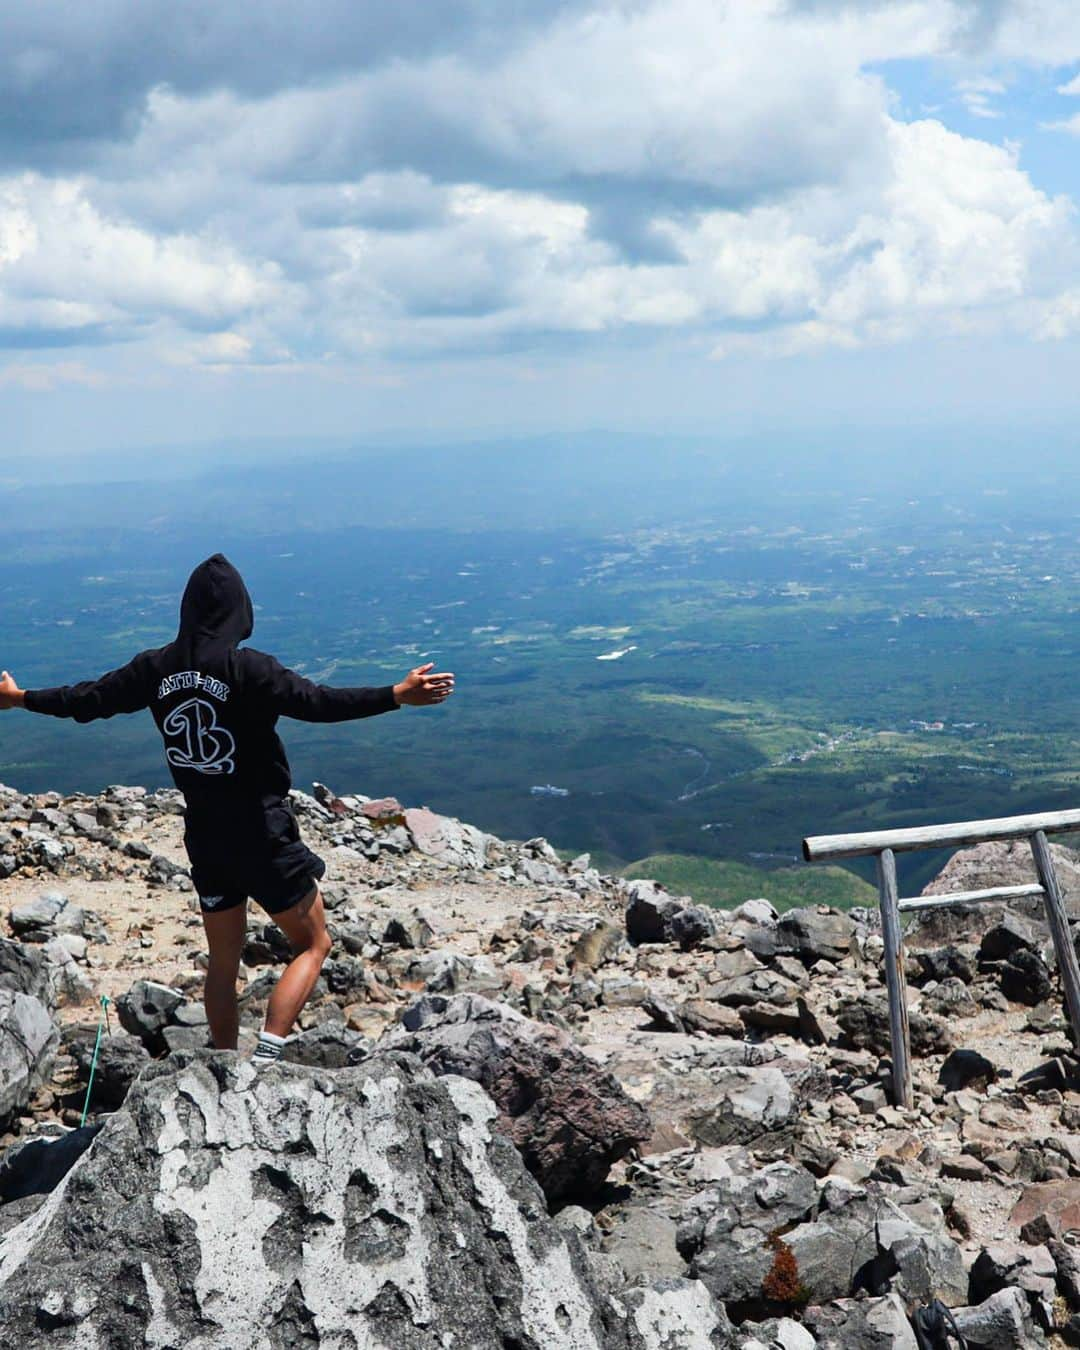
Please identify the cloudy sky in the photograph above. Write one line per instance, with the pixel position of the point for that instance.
(494, 215)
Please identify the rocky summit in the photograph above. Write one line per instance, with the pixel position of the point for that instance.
(530, 1106)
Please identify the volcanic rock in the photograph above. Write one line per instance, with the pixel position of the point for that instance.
(570, 1120)
(28, 1040)
(364, 1206)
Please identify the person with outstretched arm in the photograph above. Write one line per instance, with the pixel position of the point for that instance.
(216, 705)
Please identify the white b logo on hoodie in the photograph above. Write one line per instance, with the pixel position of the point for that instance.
(198, 740)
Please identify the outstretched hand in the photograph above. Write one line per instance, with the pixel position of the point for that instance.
(420, 687)
(11, 696)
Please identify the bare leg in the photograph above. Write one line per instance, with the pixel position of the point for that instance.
(225, 933)
(305, 927)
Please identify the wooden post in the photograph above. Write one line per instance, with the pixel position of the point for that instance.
(894, 978)
(1059, 929)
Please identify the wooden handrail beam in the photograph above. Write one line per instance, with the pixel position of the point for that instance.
(824, 847)
(1033, 892)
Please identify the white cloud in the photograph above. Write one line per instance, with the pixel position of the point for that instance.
(732, 170)
(1072, 89)
(975, 94)
(1070, 125)
(65, 265)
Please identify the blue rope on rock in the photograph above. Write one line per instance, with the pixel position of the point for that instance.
(94, 1060)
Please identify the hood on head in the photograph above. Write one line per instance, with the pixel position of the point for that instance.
(216, 602)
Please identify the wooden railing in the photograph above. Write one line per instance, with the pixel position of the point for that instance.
(885, 844)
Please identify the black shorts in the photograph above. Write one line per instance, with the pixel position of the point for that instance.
(256, 853)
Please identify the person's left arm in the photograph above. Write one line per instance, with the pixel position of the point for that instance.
(124, 690)
(286, 693)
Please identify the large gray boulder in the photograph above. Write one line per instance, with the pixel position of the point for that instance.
(866, 1241)
(1001, 863)
(25, 970)
(146, 1010)
(569, 1118)
(1001, 1322)
(367, 1206)
(744, 1104)
(28, 1041)
(862, 1324)
(652, 915)
(672, 1314)
(816, 933)
(725, 1239)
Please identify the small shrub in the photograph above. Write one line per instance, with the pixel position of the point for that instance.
(782, 1284)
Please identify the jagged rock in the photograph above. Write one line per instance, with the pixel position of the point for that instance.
(1010, 1265)
(664, 1015)
(28, 1041)
(266, 945)
(1002, 863)
(25, 970)
(622, 992)
(326, 1047)
(654, 916)
(691, 926)
(347, 978)
(778, 1333)
(1002, 1322)
(698, 1014)
(966, 1068)
(51, 913)
(407, 930)
(864, 1022)
(445, 971)
(1058, 1200)
(943, 963)
(353, 936)
(744, 1104)
(71, 986)
(873, 1244)
(756, 986)
(949, 999)
(816, 1025)
(769, 1017)
(756, 911)
(368, 1206)
(39, 1165)
(446, 839)
(121, 1058)
(33, 920)
(815, 934)
(570, 1120)
(1025, 978)
(725, 1238)
(146, 1010)
(862, 1324)
(649, 911)
(1011, 934)
(384, 811)
(673, 1314)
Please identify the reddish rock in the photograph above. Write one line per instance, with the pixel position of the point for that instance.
(569, 1119)
(384, 811)
(1059, 1200)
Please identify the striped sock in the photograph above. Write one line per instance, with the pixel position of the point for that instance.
(268, 1050)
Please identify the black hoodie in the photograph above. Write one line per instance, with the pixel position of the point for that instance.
(215, 703)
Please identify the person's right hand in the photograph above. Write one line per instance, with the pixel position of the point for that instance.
(420, 687)
(11, 696)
